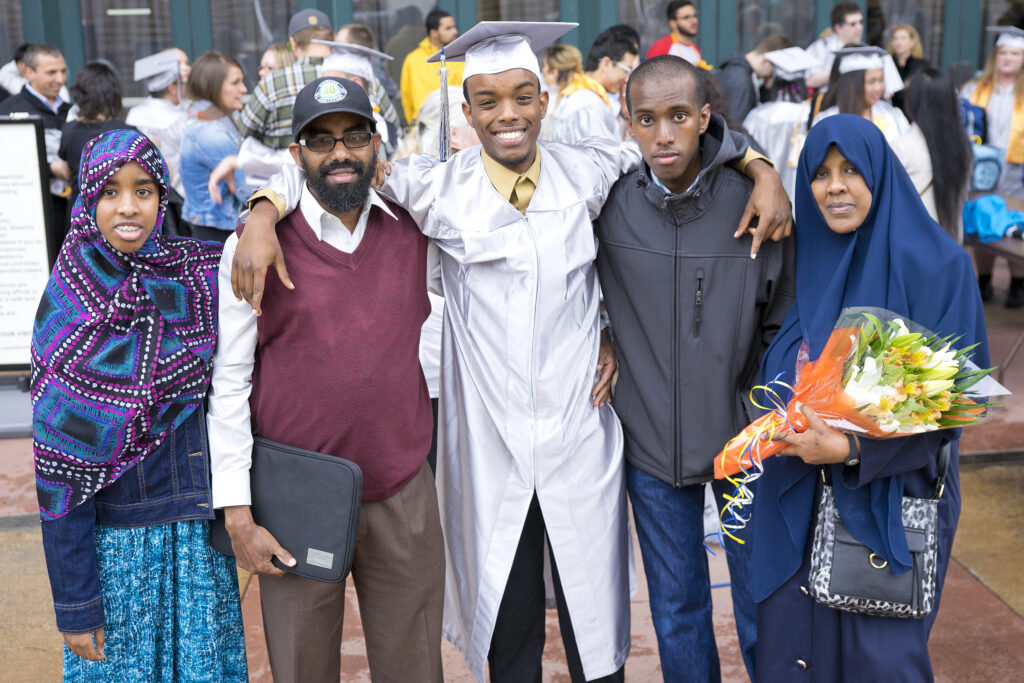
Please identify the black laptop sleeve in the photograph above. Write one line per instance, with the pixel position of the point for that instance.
(309, 502)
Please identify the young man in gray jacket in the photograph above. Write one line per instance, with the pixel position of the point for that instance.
(691, 314)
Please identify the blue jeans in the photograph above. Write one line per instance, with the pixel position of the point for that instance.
(670, 526)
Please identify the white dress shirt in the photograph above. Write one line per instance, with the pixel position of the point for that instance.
(229, 417)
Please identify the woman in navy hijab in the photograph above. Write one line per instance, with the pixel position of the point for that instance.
(863, 239)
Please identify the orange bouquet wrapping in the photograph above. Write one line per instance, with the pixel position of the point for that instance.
(875, 378)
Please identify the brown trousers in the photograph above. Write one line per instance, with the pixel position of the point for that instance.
(398, 570)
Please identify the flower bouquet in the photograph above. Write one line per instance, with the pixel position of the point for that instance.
(878, 376)
(875, 377)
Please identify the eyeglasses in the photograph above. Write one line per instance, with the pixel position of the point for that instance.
(322, 144)
(627, 69)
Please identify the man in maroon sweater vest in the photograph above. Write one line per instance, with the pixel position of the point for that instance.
(333, 366)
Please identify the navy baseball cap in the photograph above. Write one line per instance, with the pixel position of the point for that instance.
(307, 18)
(327, 95)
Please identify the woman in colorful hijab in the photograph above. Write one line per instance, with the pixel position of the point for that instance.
(863, 239)
(121, 362)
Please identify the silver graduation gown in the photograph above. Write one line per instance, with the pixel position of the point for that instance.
(519, 351)
(581, 115)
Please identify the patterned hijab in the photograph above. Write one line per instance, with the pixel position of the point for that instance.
(122, 343)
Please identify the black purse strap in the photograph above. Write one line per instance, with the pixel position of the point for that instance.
(940, 479)
(943, 469)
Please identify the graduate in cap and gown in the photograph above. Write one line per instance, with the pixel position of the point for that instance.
(862, 77)
(162, 116)
(779, 126)
(529, 448)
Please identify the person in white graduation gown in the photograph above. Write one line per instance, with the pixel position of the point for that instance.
(528, 445)
(162, 116)
(865, 74)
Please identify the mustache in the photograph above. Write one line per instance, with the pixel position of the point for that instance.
(352, 166)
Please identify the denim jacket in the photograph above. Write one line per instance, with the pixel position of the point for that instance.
(169, 485)
(206, 144)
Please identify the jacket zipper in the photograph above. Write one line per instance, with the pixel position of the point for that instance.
(698, 303)
(675, 359)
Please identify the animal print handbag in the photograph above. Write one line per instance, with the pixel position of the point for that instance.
(847, 575)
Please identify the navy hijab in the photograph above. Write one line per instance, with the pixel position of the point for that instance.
(899, 259)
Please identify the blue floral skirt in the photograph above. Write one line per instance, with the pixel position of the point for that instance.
(171, 608)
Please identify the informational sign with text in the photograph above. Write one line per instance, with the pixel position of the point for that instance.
(24, 260)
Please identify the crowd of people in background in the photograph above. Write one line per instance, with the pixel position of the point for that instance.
(838, 120)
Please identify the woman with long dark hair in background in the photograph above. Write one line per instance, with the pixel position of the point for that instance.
(97, 92)
(935, 150)
(858, 86)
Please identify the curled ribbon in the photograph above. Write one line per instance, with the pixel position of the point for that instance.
(746, 451)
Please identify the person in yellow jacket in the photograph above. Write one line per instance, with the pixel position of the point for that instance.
(1000, 92)
(419, 79)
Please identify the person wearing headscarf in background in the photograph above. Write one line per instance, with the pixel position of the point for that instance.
(276, 56)
(1000, 92)
(908, 55)
(122, 352)
(861, 77)
(935, 150)
(97, 92)
(863, 238)
(216, 86)
(425, 136)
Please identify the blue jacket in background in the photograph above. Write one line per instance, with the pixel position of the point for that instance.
(171, 484)
(206, 144)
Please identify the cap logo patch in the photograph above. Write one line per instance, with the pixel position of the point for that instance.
(312, 21)
(330, 91)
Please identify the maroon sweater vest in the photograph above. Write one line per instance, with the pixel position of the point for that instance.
(337, 361)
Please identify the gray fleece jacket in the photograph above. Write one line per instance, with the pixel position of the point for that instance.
(691, 313)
